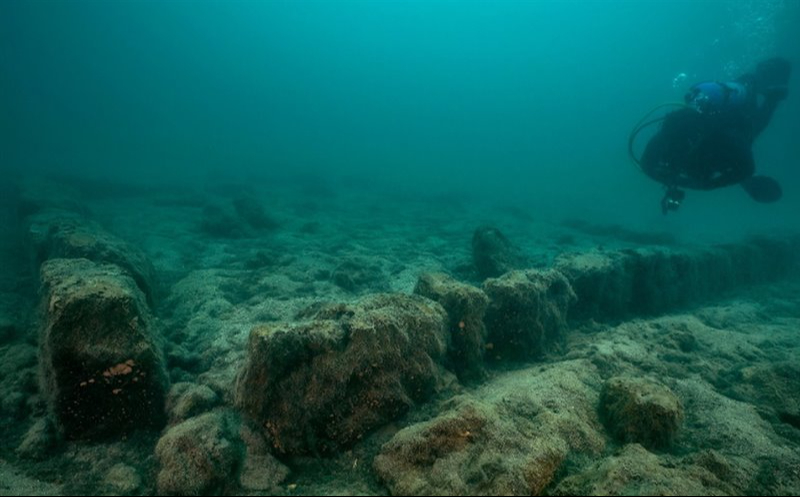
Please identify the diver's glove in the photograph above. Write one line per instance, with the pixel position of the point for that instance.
(762, 189)
(672, 200)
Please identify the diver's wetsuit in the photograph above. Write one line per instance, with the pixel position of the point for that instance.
(696, 151)
(707, 145)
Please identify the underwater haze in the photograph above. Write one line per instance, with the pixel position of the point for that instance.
(528, 102)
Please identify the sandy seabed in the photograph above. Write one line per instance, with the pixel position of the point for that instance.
(224, 265)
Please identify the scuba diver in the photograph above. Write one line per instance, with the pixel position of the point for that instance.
(706, 144)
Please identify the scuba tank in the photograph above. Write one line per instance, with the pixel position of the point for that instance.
(713, 97)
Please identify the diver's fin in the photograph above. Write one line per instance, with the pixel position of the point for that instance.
(762, 189)
(773, 72)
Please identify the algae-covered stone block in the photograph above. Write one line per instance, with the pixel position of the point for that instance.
(493, 253)
(101, 364)
(602, 282)
(527, 314)
(59, 235)
(322, 384)
(614, 285)
(466, 307)
(186, 400)
(642, 411)
(200, 455)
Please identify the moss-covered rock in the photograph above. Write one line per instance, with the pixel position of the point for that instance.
(122, 479)
(38, 440)
(250, 210)
(613, 285)
(602, 282)
(261, 471)
(773, 387)
(18, 380)
(323, 384)
(510, 437)
(102, 369)
(527, 313)
(641, 411)
(493, 253)
(186, 400)
(466, 307)
(56, 236)
(359, 274)
(200, 456)
(635, 471)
